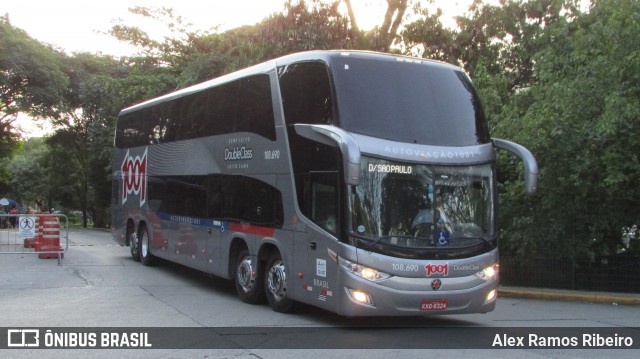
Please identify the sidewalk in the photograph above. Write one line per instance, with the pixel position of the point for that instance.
(570, 295)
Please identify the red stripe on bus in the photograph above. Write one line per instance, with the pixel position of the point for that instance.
(250, 229)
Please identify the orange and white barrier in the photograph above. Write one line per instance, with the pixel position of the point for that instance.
(42, 233)
(49, 238)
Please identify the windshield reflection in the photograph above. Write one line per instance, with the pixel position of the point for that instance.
(422, 206)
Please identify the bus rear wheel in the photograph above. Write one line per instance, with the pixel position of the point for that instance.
(146, 257)
(134, 244)
(275, 282)
(247, 280)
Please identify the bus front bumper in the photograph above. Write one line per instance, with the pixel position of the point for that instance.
(460, 295)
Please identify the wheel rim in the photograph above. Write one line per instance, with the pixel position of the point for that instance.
(244, 275)
(144, 245)
(277, 281)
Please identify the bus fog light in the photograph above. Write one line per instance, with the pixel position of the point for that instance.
(360, 296)
(489, 272)
(490, 296)
(367, 273)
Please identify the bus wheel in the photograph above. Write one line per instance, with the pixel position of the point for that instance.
(247, 280)
(146, 257)
(275, 281)
(134, 244)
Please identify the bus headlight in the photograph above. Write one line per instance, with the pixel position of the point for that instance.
(489, 272)
(361, 297)
(491, 296)
(367, 273)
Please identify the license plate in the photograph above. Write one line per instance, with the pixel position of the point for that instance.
(440, 304)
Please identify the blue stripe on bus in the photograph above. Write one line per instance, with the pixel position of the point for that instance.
(194, 221)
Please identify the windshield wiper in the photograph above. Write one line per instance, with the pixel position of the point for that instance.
(373, 241)
(485, 240)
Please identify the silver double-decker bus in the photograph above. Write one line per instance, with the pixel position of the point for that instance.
(358, 182)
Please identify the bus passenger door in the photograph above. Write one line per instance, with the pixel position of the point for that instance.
(320, 270)
(320, 239)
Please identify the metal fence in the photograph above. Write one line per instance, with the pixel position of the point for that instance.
(614, 273)
(42, 234)
(596, 249)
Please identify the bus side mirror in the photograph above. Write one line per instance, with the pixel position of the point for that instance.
(530, 165)
(334, 136)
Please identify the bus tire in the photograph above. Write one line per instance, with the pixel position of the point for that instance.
(247, 279)
(134, 245)
(275, 283)
(146, 257)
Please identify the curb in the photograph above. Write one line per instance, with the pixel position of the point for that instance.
(602, 298)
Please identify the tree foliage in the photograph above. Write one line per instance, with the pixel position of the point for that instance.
(28, 167)
(30, 81)
(382, 37)
(582, 118)
(194, 56)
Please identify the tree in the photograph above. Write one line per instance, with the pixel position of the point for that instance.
(382, 37)
(99, 88)
(31, 177)
(302, 26)
(30, 81)
(582, 119)
(194, 56)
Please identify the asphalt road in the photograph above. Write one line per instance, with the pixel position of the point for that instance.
(98, 285)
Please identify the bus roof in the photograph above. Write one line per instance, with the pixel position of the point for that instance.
(271, 65)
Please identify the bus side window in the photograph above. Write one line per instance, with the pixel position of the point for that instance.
(306, 93)
(244, 199)
(324, 200)
(306, 98)
(255, 108)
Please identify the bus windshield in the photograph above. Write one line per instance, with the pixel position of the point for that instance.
(408, 102)
(418, 206)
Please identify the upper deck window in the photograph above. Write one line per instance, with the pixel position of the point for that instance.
(243, 105)
(306, 93)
